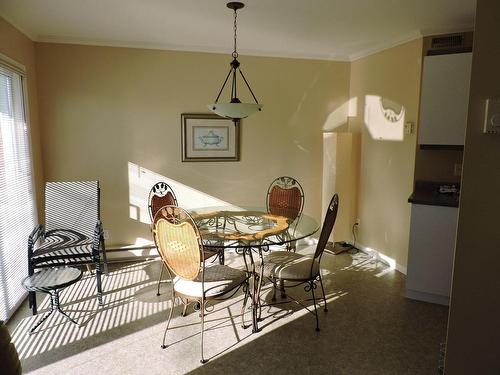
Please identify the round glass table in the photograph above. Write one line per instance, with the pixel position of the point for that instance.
(251, 231)
(241, 226)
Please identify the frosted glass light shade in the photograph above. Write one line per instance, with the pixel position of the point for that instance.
(234, 110)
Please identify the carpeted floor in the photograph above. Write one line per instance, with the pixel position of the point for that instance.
(370, 328)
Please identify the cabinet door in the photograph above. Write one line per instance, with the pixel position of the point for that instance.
(444, 99)
(431, 250)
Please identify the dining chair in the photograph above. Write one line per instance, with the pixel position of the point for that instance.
(160, 195)
(302, 269)
(285, 197)
(72, 234)
(181, 249)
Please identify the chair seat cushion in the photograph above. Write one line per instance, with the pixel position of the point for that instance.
(219, 280)
(75, 247)
(287, 265)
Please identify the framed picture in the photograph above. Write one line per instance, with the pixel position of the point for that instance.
(209, 137)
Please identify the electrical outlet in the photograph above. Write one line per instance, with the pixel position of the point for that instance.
(105, 234)
(457, 170)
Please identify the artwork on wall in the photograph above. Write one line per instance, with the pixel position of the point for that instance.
(209, 137)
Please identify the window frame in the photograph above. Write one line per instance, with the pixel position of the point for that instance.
(15, 67)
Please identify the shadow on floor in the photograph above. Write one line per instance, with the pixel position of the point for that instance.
(370, 328)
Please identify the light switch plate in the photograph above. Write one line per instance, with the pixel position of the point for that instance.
(492, 116)
(409, 127)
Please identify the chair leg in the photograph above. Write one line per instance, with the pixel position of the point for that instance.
(274, 290)
(311, 284)
(32, 295)
(159, 279)
(282, 289)
(202, 312)
(169, 319)
(98, 281)
(221, 256)
(32, 302)
(104, 257)
(323, 290)
(245, 300)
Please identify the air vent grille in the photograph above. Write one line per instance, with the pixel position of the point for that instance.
(446, 42)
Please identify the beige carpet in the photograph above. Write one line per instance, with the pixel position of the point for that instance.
(370, 328)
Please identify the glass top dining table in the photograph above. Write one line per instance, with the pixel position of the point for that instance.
(249, 229)
(234, 226)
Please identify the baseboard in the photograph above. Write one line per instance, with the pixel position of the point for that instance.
(427, 297)
(381, 257)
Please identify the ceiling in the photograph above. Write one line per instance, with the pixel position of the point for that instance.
(319, 29)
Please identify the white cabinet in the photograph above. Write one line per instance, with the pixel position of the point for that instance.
(444, 99)
(430, 254)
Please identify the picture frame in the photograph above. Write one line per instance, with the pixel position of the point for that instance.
(209, 137)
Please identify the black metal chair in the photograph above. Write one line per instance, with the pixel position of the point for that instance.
(302, 269)
(285, 197)
(181, 248)
(72, 234)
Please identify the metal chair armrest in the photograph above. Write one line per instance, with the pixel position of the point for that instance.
(37, 232)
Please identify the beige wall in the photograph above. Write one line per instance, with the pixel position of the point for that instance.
(386, 160)
(103, 108)
(20, 48)
(474, 324)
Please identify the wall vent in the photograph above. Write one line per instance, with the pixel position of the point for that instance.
(444, 44)
(449, 41)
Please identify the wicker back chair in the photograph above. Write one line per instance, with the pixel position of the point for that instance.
(285, 197)
(181, 249)
(299, 269)
(72, 234)
(161, 194)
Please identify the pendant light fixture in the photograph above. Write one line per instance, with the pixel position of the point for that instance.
(235, 109)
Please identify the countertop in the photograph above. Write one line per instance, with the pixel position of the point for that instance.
(427, 192)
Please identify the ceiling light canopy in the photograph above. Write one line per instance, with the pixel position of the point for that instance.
(235, 109)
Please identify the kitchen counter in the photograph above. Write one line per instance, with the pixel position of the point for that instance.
(427, 192)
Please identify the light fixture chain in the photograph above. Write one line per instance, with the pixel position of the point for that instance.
(235, 53)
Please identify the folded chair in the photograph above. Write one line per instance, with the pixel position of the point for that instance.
(302, 269)
(160, 195)
(181, 249)
(72, 234)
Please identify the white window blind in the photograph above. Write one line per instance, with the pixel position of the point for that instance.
(17, 199)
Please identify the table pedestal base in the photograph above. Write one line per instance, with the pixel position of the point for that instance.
(54, 306)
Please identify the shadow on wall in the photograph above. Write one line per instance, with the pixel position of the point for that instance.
(140, 182)
(384, 118)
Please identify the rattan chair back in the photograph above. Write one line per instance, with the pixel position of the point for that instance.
(178, 241)
(328, 223)
(285, 197)
(73, 206)
(160, 195)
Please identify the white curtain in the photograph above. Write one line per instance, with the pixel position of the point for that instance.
(17, 199)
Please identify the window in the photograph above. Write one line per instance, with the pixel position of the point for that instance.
(17, 199)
